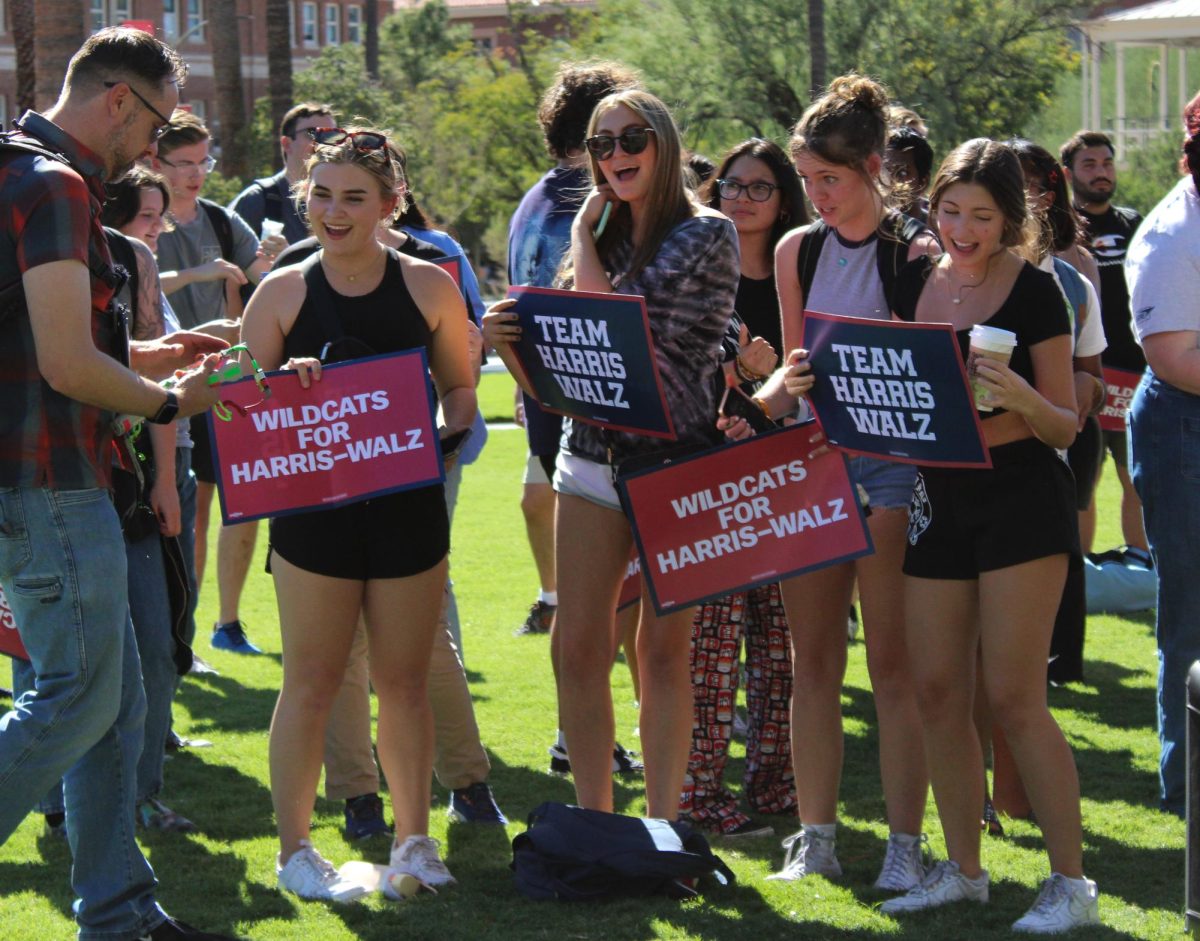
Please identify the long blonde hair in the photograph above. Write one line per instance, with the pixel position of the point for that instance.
(668, 200)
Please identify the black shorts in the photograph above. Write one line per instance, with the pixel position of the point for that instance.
(202, 456)
(1117, 444)
(392, 536)
(1084, 458)
(964, 522)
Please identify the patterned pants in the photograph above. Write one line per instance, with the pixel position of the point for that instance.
(717, 632)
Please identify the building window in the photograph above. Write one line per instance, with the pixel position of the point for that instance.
(354, 24)
(195, 20)
(333, 24)
(291, 25)
(308, 23)
(97, 13)
(182, 19)
(108, 13)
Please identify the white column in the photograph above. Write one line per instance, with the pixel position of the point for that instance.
(1094, 123)
(1164, 120)
(1119, 120)
(1085, 60)
(1184, 98)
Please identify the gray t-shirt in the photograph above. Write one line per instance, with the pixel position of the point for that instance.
(1162, 265)
(196, 243)
(847, 280)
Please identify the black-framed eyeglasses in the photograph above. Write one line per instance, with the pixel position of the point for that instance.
(166, 122)
(206, 164)
(365, 141)
(758, 191)
(633, 140)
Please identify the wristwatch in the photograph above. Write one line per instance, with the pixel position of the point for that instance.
(167, 411)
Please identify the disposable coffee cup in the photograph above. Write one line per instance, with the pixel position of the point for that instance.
(988, 343)
(271, 227)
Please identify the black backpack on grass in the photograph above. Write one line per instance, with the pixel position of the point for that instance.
(573, 854)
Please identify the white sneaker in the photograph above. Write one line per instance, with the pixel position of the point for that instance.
(1061, 905)
(943, 884)
(310, 875)
(903, 866)
(808, 854)
(417, 857)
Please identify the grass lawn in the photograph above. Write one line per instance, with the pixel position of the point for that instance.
(223, 878)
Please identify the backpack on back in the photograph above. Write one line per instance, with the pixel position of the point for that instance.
(572, 854)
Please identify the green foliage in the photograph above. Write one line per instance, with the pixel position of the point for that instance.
(338, 76)
(222, 189)
(415, 45)
(1152, 171)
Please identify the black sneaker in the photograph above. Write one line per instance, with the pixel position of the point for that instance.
(625, 763)
(541, 616)
(475, 804)
(174, 930)
(991, 819)
(364, 817)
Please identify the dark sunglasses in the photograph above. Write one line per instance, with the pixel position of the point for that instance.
(633, 141)
(758, 192)
(166, 122)
(364, 141)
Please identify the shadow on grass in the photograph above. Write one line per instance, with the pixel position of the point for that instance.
(223, 802)
(221, 703)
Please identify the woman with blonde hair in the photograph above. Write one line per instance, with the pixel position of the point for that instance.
(660, 244)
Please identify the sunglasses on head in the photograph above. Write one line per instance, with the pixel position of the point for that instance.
(364, 141)
(632, 140)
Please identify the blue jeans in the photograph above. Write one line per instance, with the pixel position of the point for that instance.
(150, 609)
(60, 566)
(185, 483)
(1165, 467)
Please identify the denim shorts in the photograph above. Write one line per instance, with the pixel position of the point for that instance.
(591, 480)
(889, 484)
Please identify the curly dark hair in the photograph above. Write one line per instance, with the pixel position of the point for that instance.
(567, 105)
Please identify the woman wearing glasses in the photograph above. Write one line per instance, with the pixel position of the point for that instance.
(682, 258)
(330, 565)
(757, 188)
(837, 266)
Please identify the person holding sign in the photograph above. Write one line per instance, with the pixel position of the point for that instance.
(988, 549)
(847, 263)
(385, 557)
(639, 232)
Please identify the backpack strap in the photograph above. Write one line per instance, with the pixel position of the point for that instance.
(272, 198)
(808, 256)
(897, 232)
(124, 255)
(321, 294)
(219, 220)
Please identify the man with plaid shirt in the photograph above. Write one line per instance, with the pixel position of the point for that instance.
(62, 383)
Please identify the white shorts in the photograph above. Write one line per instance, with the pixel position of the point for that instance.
(580, 477)
(534, 472)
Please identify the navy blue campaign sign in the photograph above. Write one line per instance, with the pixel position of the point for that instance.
(893, 390)
(591, 357)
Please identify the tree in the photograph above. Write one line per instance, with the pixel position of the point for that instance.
(227, 79)
(59, 31)
(371, 39)
(21, 14)
(416, 45)
(279, 68)
(816, 34)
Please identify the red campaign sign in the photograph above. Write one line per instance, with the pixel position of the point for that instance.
(366, 429)
(744, 515)
(452, 265)
(10, 640)
(1119, 386)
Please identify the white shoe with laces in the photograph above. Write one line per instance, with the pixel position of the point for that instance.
(417, 857)
(943, 884)
(1061, 905)
(808, 854)
(903, 865)
(310, 875)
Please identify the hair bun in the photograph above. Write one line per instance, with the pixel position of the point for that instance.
(859, 90)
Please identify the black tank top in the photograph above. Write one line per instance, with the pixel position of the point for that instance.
(386, 320)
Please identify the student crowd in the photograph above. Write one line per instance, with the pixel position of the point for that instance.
(118, 274)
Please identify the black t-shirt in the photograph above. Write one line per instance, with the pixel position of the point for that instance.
(758, 306)
(1108, 239)
(1033, 310)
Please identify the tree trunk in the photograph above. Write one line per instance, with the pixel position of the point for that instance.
(58, 33)
(227, 80)
(816, 44)
(21, 14)
(279, 67)
(371, 46)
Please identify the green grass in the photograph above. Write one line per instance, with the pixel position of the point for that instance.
(223, 878)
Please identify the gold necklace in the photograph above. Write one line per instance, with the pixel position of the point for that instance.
(957, 297)
(351, 277)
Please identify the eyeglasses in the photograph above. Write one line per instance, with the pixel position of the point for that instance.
(364, 141)
(632, 140)
(166, 122)
(758, 192)
(206, 165)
